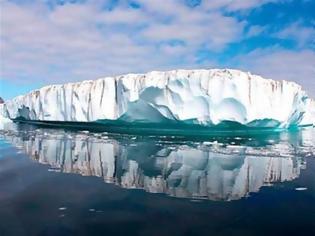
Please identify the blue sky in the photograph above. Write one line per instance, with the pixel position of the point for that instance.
(57, 41)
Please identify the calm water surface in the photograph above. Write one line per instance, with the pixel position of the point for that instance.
(56, 182)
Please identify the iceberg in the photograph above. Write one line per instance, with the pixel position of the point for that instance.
(204, 98)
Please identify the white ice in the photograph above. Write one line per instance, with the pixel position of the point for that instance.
(204, 97)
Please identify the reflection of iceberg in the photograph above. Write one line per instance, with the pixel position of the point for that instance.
(181, 170)
(191, 97)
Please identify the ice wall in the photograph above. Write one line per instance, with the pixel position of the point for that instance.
(204, 97)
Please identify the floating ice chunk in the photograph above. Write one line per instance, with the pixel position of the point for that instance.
(301, 189)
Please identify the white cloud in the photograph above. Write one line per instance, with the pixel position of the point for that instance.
(281, 64)
(213, 30)
(85, 41)
(235, 5)
(72, 42)
(255, 30)
(303, 35)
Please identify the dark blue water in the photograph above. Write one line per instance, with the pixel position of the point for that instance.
(55, 182)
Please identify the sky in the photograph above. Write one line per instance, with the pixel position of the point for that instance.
(46, 42)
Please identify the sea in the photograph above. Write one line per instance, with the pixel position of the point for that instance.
(78, 182)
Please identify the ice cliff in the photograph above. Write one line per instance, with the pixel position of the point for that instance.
(205, 97)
